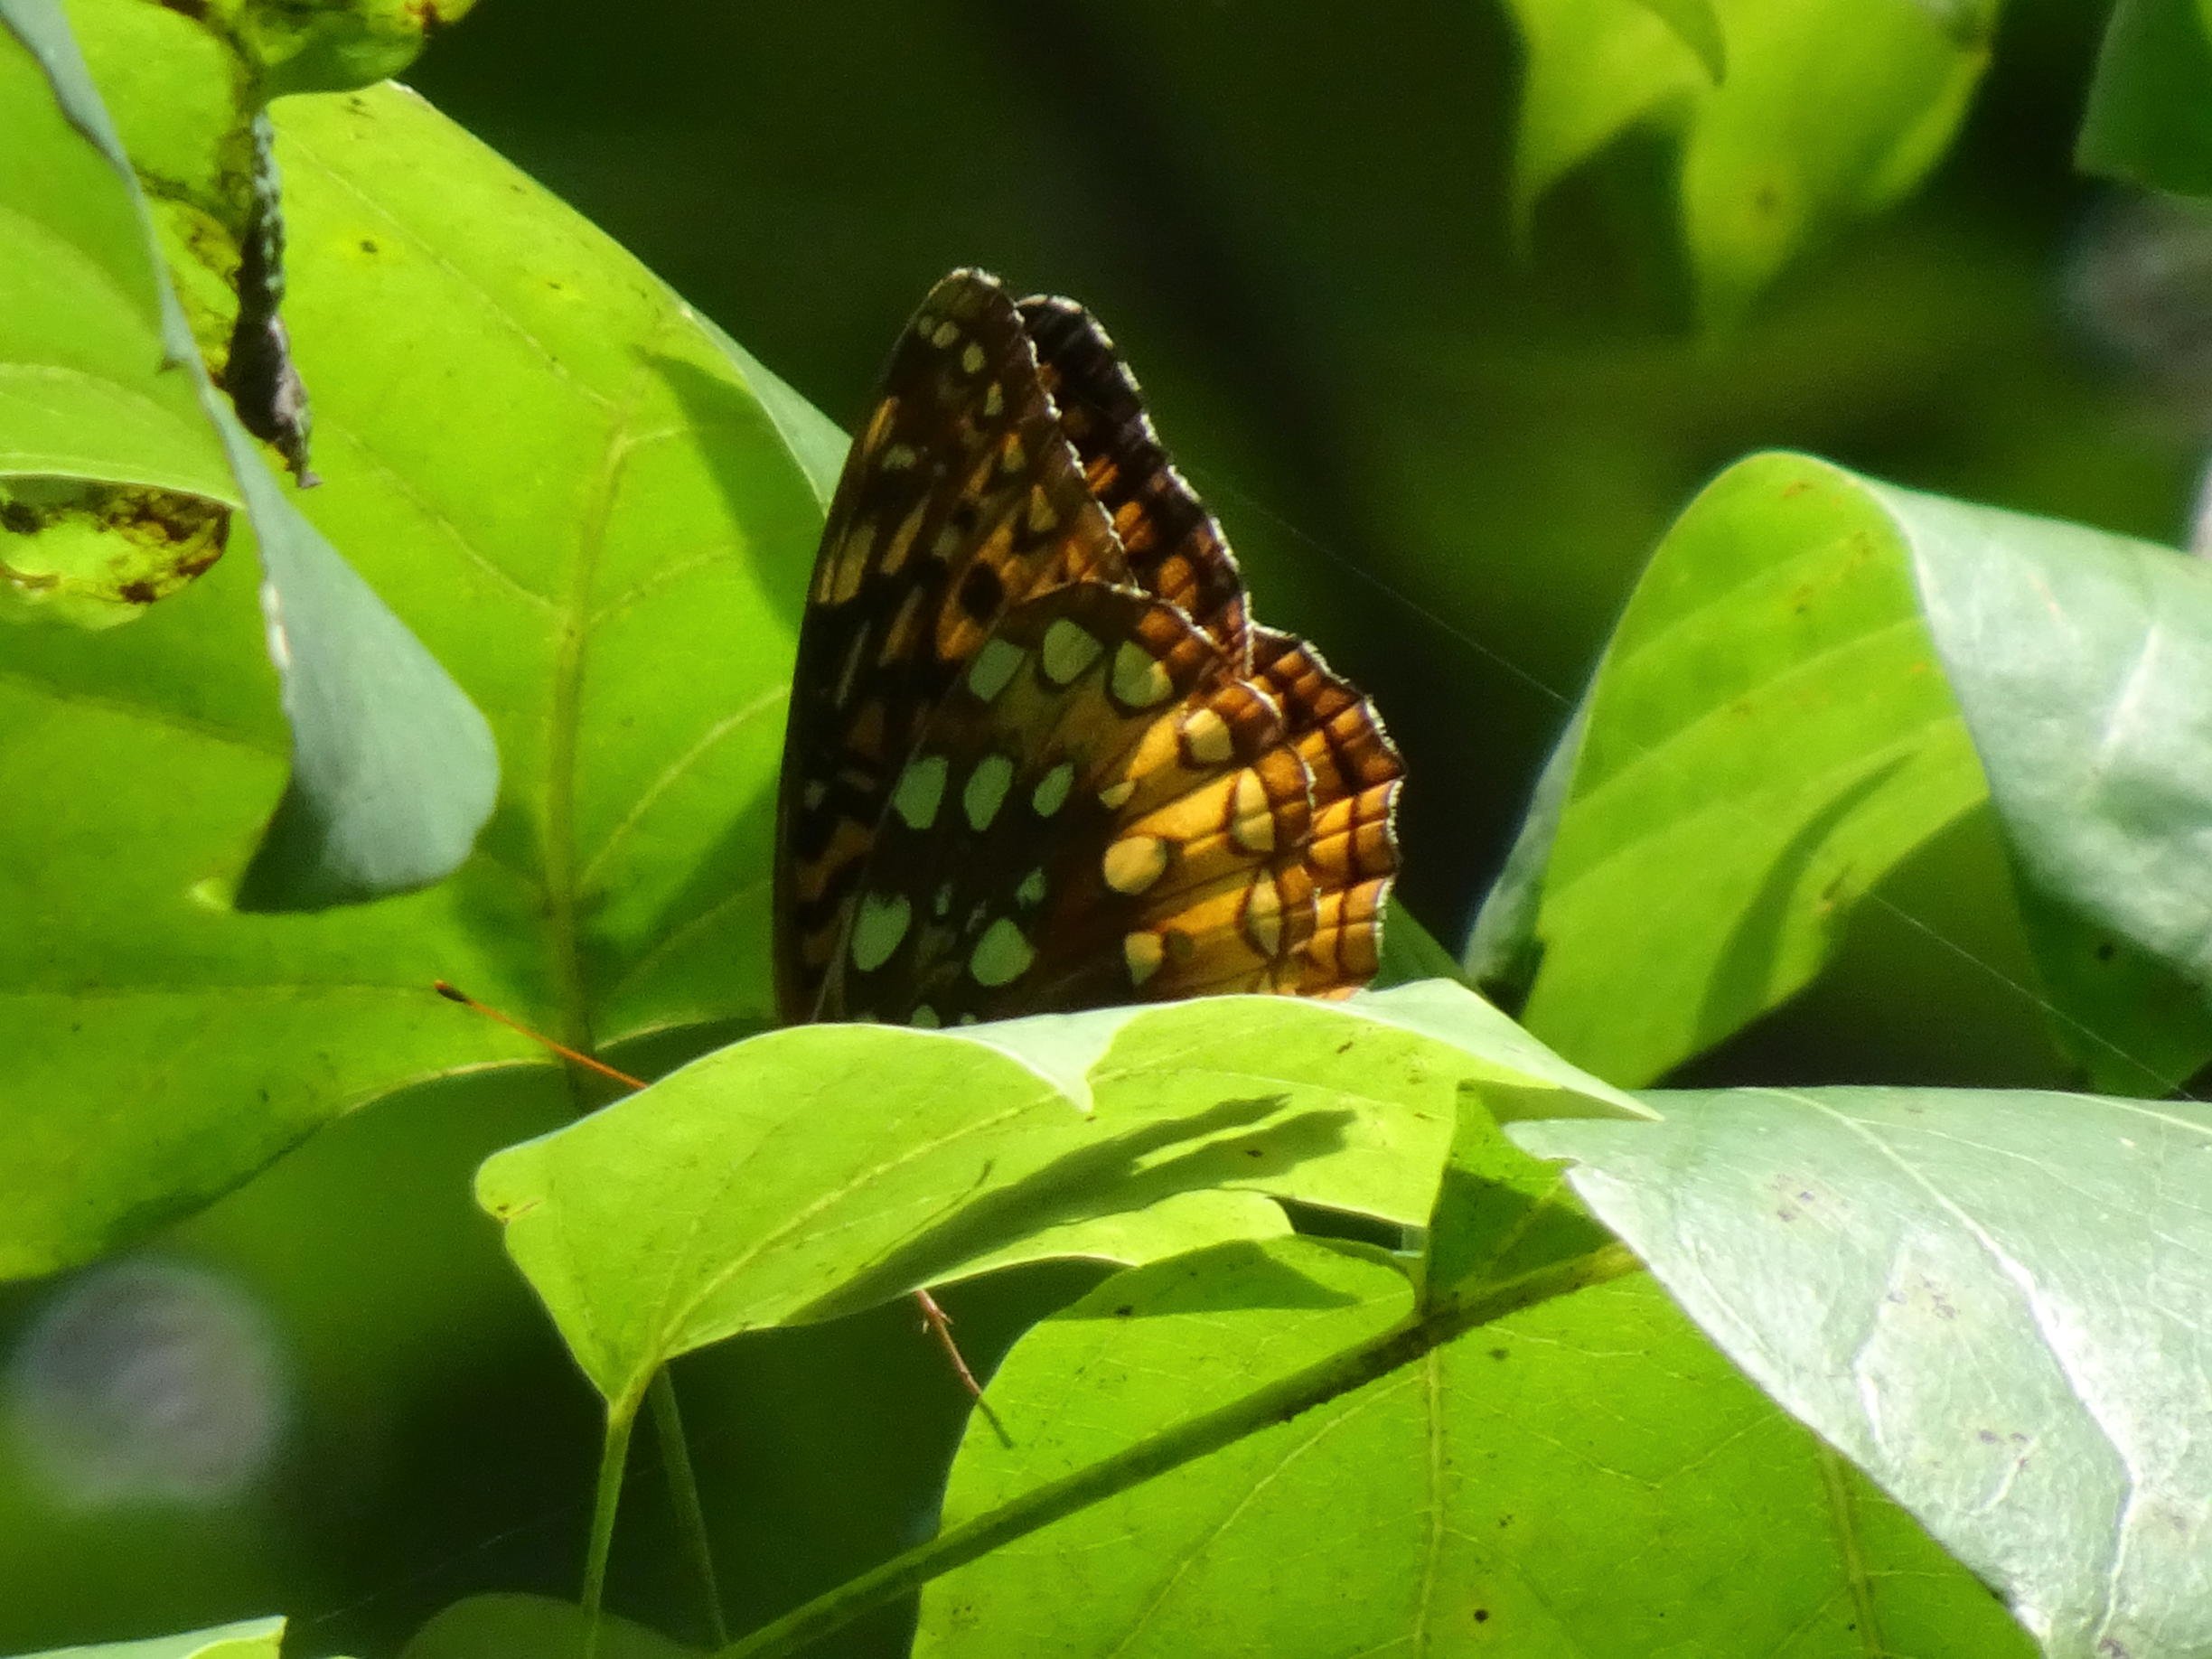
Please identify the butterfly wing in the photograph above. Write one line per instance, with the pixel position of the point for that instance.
(1173, 545)
(1100, 811)
(1037, 757)
(960, 498)
(1356, 771)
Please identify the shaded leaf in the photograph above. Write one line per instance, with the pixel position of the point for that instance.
(517, 1627)
(1995, 1303)
(1553, 1483)
(2150, 115)
(1828, 110)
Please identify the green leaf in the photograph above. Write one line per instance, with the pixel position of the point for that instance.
(568, 485)
(1993, 1302)
(328, 45)
(517, 1627)
(1585, 1476)
(2150, 115)
(813, 1171)
(252, 1638)
(1828, 110)
(1817, 676)
(393, 771)
(1698, 26)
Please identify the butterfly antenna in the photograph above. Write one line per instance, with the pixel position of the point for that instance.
(454, 993)
(934, 1319)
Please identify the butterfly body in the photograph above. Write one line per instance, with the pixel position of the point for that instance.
(1038, 758)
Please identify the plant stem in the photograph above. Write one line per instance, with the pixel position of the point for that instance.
(683, 1490)
(614, 1453)
(1277, 1402)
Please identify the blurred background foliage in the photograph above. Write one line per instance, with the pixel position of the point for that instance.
(1443, 444)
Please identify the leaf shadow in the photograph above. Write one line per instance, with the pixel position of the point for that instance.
(1109, 1178)
(1744, 969)
(756, 473)
(1237, 1273)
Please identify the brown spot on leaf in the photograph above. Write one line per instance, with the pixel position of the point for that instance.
(92, 546)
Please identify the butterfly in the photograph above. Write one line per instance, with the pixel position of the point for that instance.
(1038, 756)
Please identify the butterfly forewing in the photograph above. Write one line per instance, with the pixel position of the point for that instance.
(1037, 757)
(960, 498)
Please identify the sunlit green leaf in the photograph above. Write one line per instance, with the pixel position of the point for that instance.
(1995, 1303)
(1795, 116)
(253, 1638)
(1815, 677)
(1551, 1484)
(816, 1170)
(1698, 25)
(393, 770)
(570, 489)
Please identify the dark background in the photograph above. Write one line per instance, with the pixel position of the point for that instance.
(1444, 461)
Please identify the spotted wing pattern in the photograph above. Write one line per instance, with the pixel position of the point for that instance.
(1037, 757)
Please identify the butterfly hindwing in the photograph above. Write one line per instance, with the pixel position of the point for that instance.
(1352, 853)
(1101, 811)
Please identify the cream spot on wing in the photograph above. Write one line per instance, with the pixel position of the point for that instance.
(994, 667)
(1001, 956)
(971, 358)
(1139, 678)
(1143, 952)
(1114, 794)
(925, 1016)
(987, 790)
(994, 400)
(877, 928)
(1031, 893)
(1263, 916)
(1206, 738)
(899, 458)
(1052, 789)
(1134, 863)
(944, 334)
(1068, 648)
(921, 787)
(1251, 821)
